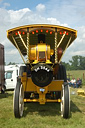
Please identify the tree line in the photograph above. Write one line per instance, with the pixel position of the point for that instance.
(77, 63)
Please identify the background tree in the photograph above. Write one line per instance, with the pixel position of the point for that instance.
(77, 63)
(11, 63)
(81, 63)
(74, 63)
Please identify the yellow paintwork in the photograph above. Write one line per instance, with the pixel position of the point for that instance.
(55, 85)
(32, 52)
(35, 61)
(40, 26)
(81, 92)
(48, 62)
(37, 100)
(35, 49)
(51, 51)
(29, 86)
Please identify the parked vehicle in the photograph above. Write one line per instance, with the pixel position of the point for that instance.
(11, 74)
(2, 79)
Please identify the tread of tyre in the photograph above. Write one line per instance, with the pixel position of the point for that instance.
(66, 102)
(16, 99)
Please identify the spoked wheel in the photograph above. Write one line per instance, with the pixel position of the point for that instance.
(19, 100)
(65, 101)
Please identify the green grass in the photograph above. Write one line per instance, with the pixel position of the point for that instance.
(43, 116)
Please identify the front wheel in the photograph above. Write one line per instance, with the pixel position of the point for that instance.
(18, 100)
(65, 101)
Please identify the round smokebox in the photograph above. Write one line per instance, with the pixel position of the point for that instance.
(42, 75)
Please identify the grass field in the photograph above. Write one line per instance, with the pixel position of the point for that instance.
(42, 116)
(76, 73)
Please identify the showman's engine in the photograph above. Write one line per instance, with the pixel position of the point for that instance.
(43, 77)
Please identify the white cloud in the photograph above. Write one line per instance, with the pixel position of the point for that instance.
(79, 53)
(40, 7)
(71, 12)
(12, 55)
(64, 13)
(84, 35)
(15, 16)
(53, 21)
(12, 52)
(77, 47)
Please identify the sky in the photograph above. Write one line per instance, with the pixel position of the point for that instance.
(69, 13)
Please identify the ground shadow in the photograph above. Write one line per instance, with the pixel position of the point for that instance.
(74, 108)
(49, 109)
(5, 95)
